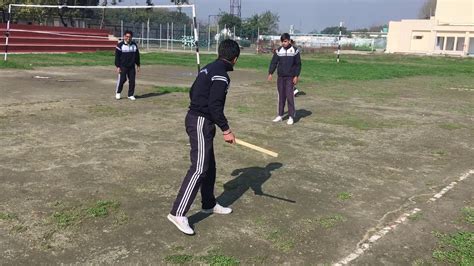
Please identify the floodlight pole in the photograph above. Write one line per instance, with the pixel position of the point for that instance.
(7, 33)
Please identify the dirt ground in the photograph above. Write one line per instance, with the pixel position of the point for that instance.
(359, 155)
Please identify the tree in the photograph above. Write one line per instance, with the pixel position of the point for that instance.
(230, 21)
(266, 22)
(334, 30)
(103, 15)
(428, 9)
(377, 28)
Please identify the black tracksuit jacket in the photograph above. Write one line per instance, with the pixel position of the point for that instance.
(208, 92)
(287, 60)
(127, 55)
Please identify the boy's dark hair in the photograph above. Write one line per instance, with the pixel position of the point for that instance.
(128, 32)
(229, 50)
(285, 36)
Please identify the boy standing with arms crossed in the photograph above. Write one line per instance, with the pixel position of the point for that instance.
(208, 95)
(288, 61)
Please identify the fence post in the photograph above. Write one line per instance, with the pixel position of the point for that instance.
(121, 28)
(148, 35)
(167, 36)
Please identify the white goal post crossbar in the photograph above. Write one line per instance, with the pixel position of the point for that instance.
(196, 35)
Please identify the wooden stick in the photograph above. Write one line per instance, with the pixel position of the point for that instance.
(257, 148)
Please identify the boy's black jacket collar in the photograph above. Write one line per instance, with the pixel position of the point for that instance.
(289, 46)
(228, 66)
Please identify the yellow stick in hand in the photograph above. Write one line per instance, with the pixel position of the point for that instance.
(257, 148)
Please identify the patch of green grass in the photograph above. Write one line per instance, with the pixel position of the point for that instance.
(331, 221)
(71, 216)
(165, 90)
(66, 218)
(179, 259)
(212, 258)
(243, 109)
(102, 208)
(457, 248)
(219, 259)
(7, 216)
(415, 217)
(420, 262)
(440, 153)
(121, 218)
(280, 242)
(344, 196)
(450, 126)
(468, 214)
(258, 221)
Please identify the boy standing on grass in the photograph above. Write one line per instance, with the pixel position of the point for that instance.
(126, 57)
(208, 95)
(288, 61)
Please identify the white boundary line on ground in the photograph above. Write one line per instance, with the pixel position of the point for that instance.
(382, 232)
(461, 89)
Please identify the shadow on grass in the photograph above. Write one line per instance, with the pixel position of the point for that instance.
(151, 94)
(302, 113)
(251, 178)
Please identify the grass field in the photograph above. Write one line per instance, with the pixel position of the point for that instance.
(320, 67)
(89, 179)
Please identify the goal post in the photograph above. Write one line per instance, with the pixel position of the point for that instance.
(191, 6)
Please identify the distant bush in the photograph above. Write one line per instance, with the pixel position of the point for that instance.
(245, 43)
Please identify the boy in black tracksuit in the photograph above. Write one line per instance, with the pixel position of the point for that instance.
(287, 59)
(126, 57)
(208, 95)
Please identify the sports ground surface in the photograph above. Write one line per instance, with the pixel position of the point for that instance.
(378, 169)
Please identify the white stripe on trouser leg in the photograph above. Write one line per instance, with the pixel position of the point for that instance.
(118, 83)
(200, 164)
(197, 173)
(190, 187)
(199, 168)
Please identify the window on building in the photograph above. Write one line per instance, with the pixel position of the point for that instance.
(471, 46)
(450, 43)
(418, 37)
(440, 43)
(460, 45)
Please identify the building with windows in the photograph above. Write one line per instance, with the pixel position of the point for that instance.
(449, 32)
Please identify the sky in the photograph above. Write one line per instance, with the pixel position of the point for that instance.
(309, 15)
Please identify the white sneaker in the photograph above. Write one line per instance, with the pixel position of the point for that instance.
(117, 96)
(218, 209)
(132, 98)
(295, 91)
(290, 121)
(278, 119)
(181, 223)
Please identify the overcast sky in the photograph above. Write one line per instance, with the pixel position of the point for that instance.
(308, 15)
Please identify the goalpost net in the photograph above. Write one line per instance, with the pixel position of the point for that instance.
(155, 26)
